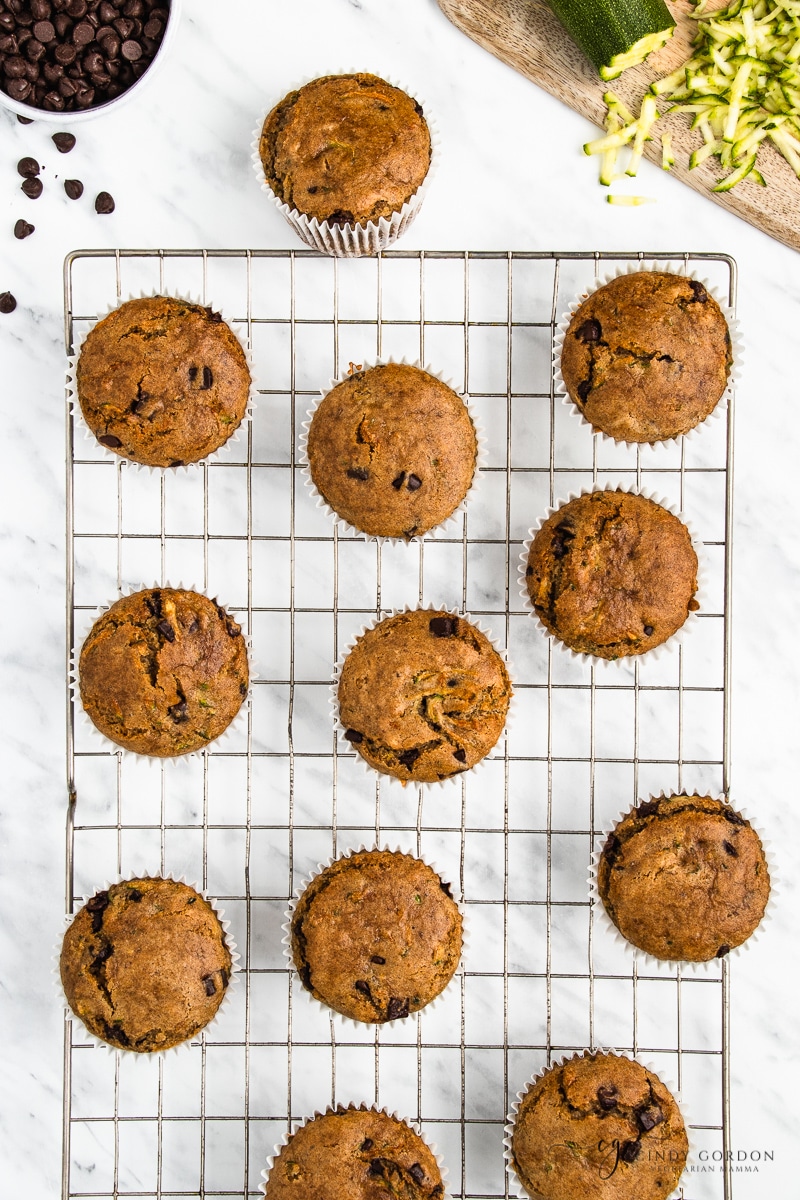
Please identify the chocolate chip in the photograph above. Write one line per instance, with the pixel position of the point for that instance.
(733, 817)
(352, 735)
(723, 950)
(367, 1144)
(32, 188)
(607, 1097)
(418, 108)
(82, 34)
(647, 809)
(362, 986)
(629, 1151)
(24, 120)
(214, 317)
(179, 712)
(590, 331)
(398, 482)
(233, 629)
(358, 473)
(648, 630)
(108, 439)
(131, 50)
(379, 959)
(460, 755)
(700, 293)
(193, 373)
(443, 627)
(528, 572)
(44, 31)
(408, 757)
(563, 534)
(612, 849)
(341, 216)
(7, 303)
(102, 956)
(730, 849)
(135, 895)
(166, 630)
(76, 9)
(40, 9)
(208, 378)
(153, 29)
(98, 902)
(416, 1172)
(378, 1166)
(104, 203)
(153, 603)
(210, 986)
(28, 167)
(584, 388)
(446, 889)
(414, 483)
(649, 1117)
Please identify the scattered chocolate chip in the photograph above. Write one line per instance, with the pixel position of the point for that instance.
(362, 986)
(135, 895)
(723, 950)
(379, 959)
(408, 757)
(416, 1172)
(730, 849)
(358, 473)
(108, 439)
(352, 735)
(32, 188)
(7, 303)
(210, 986)
(629, 1151)
(414, 483)
(166, 630)
(460, 755)
(700, 293)
(73, 188)
(104, 203)
(584, 387)
(367, 1144)
(208, 378)
(443, 626)
(649, 1117)
(28, 167)
(648, 630)
(398, 482)
(607, 1097)
(179, 712)
(647, 809)
(590, 331)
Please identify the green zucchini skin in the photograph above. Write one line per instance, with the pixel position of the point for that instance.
(605, 28)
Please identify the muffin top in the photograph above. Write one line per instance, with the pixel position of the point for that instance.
(612, 574)
(355, 1154)
(423, 695)
(376, 935)
(145, 964)
(162, 382)
(163, 672)
(392, 450)
(647, 356)
(684, 877)
(599, 1125)
(346, 149)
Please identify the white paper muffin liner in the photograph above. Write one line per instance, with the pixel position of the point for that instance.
(436, 530)
(112, 747)
(655, 652)
(632, 268)
(90, 1037)
(348, 747)
(607, 928)
(515, 1183)
(74, 403)
(350, 241)
(362, 1107)
(351, 1022)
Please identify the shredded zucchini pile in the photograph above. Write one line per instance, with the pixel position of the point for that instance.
(741, 85)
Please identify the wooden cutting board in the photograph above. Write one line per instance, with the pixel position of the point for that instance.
(526, 35)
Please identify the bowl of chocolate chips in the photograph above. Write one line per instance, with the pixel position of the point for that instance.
(68, 60)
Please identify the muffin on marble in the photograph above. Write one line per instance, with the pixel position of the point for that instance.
(647, 356)
(163, 672)
(162, 382)
(145, 965)
(376, 935)
(423, 695)
(392, 450)
(684, 877)
(354, 1154)
(599, 1125)
(346, 149)
(612, 574)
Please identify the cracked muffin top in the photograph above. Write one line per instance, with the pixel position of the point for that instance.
(647, 356)
(684, 877)
(376, 935)
(162, 382)
(346, 149)
(423, 696)
(612, 574)
(145, 965)
(163, 672)
(355, 1154)
(392, 450)
(600, 1125)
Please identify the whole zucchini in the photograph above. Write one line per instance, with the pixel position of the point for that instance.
(615, 34)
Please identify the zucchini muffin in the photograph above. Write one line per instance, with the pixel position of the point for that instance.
(423, 695)
(346, 149)
(647, 356)
(354, 1154)
(684, 877)
(376, 935)
(392, 450)
(145, 965)
(163, 672)
(162, 382)
(599, 1125)
(612, 574)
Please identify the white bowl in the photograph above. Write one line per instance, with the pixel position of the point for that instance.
(86, 114)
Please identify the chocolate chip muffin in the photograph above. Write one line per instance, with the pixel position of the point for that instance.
(612, 574)
(647, 357)
(599, 1125)
(392, 450)
(346, 149)
(163, 672)
(145, 965)
(162, 382)
(684, 877)
(376, 935)
(354, 1154)
(423, 696)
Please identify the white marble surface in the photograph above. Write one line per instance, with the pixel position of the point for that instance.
(512, 177)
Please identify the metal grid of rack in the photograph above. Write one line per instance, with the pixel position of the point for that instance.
(251, 816)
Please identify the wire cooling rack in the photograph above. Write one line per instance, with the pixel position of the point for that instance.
(250, 817)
